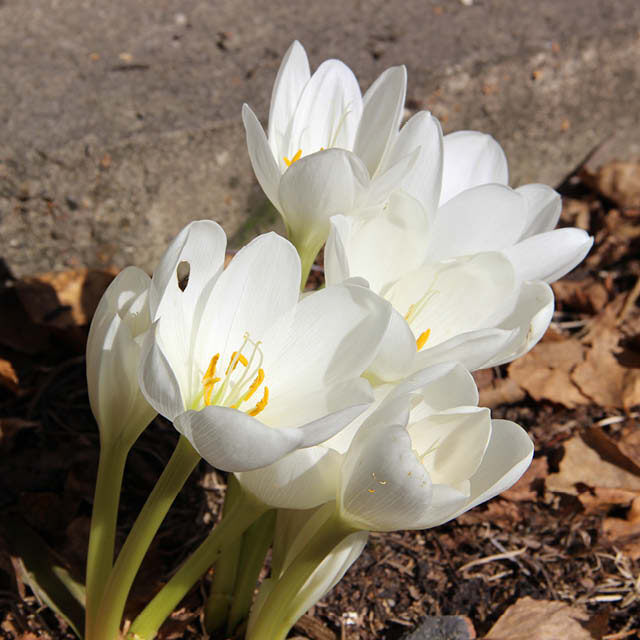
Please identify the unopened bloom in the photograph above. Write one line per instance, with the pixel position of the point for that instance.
(114, 345)
(244, 369)
(329, 149)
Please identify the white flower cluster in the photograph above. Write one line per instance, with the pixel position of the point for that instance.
(349, 409)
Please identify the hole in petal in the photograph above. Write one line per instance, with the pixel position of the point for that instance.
(182, 272)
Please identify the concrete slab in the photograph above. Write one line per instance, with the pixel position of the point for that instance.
(120, 121)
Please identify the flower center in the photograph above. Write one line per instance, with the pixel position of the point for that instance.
(416, 308)
(238, 384)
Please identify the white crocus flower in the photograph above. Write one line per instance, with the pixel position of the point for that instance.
(471, 278)
(244, 369)
(321, 132)
(113, 353)
(413, 464)
(306, 478)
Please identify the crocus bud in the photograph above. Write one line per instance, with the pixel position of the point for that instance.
(113, 352)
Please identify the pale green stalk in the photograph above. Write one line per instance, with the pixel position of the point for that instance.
(224, 571)
(104, 517)
(245, 511)
(279, 611)
(255, 543)
(175, 474)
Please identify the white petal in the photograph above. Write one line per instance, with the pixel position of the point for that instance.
(455, 297)
(452, 444)
(486, 218)
(202, 244)
(336, 261)
(381, 247)
(328, 111)
(445, 502)
(292, 77)
(334, 337)
(198, 252)
(455, 388)
(317, 187)
(259, 288)
(531, 316)
(397, 351)
(234, 441)
(471, 159)
(507, 457)
(110, 382)
(383, 485)
(385, 183)
(383, 105)
(549, 256)
(261, 155)
(544, 206)
(301, 480)
(320, 408)
(474, 350)
(423, 181)
(158, 380)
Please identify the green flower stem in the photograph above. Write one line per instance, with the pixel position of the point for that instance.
(244, 512)
(225, 569)
(279, 612)
(255, 543)
(175, 474)
(104, 518)
(307, 259)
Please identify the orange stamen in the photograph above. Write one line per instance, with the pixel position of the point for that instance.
(255, 384)
(233, 363)
(209, 379)
(262, 404)
(294, 159)
(422, 339)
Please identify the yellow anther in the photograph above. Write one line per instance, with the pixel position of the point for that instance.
(371, 490)
(209, 379)
(407, 315)
(262, 404)
(422, 339)
(233, 363)
(255, 384)
(296, 157)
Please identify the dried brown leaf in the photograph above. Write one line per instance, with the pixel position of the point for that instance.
(526, 487)
(582, 464)
(545, 372)
(586, 295)
(8, 376)
(530, 619)
(501, 391)
(601, 499)
(63, 299)
(618, 181)
(601, 376)
(625, 533)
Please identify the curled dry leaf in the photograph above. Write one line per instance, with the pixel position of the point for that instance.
(65, 299)
(618, 181)
(587, 295)
(527, 487)
(545, 372)
(602, 376)
(530, 619)
(583, 465)
(8, 376)
(625, 533)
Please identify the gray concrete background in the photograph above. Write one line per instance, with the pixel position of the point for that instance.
(120, 120)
